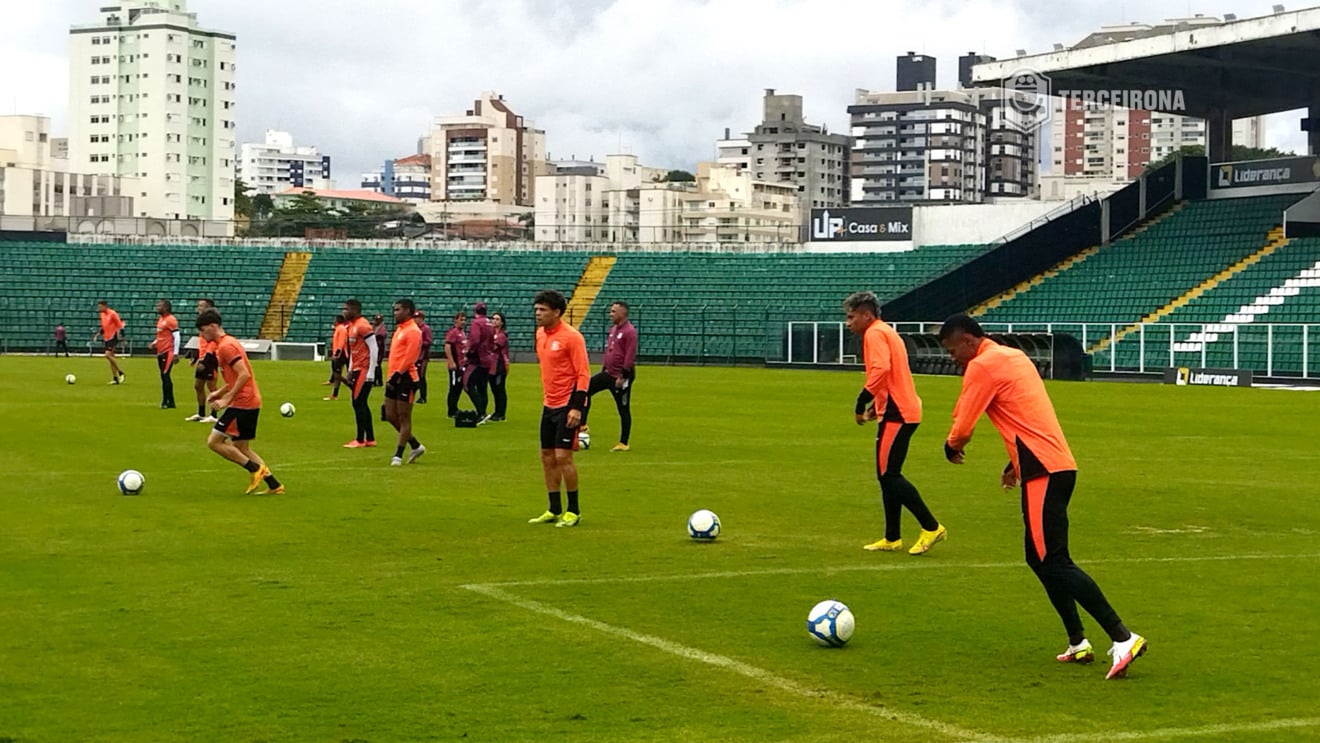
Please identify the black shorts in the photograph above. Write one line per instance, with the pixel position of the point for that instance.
(400, 388)
(555, 433)
(239, 424)
(206, 366)
(162, 358)
(110, 345)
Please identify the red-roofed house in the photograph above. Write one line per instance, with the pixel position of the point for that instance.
(338, 200)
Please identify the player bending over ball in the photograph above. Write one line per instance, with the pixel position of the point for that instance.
(1004, 384)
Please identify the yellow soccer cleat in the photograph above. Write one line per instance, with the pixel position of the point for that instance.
(568, 519)
(928, 540)
(884, 545)
(262, 472)
(549, 517)
(620, 447)
(272, 491)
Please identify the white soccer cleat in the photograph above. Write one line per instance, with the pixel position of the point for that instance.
(416, 453)
(1124, 653)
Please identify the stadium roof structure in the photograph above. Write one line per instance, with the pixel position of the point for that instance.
(1221, 72)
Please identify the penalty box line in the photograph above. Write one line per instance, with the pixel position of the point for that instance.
(759, 675)
(922, 564)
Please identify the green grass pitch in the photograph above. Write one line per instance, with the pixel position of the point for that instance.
(396, 604)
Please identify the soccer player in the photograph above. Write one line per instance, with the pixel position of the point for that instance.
(423, 356)
(618, 371)
(61, 340)
(405, 347)
(204, 368)
(455, 340)
(233, 433)
(378, 323)
(480, 364)
(1004, 384)
(890, 396)
(501, 377)
(338, 355)
(565, 378)
(362, 359)
(166, 346)
(111, 326)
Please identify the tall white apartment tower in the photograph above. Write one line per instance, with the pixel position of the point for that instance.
(151, 97)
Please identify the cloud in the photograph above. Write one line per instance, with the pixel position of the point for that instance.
(659, 78)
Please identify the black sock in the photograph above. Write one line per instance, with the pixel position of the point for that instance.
(398, 453)
(1119, 633)
(201, 411)
(252, 466)
(414, 443)
(556, 505)
(271, 482)
(572, 502)
(1076, 638)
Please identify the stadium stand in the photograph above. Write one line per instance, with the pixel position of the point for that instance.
(1283, 287)
(440, 282)
(734, 305)
(44, 283)
(1137, 275)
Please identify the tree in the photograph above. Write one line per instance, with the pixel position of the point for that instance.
(679, 176)
(242, 201)
(262, 205)
(306, 202)
(1236, 153)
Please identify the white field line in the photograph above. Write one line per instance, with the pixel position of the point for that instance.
(1166, 733)
(496, 591)
(759, 675)
(906, 565)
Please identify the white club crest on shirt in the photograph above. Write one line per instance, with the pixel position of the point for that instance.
(554, 345)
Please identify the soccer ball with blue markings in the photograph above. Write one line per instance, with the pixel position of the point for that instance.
(831, 623)
(131, 482)
(704, 526)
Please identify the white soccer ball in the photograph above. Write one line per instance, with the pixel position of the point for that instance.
(584, 440)
(703, 525)
(131, 482)
(287, 410)
(70, 379)
(831, 623)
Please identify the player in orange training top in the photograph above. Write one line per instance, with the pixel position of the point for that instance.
(1004, 384)
(401, 382)
(890, 396)
(233, 433)
(565, 379)
(166, 346)
(111, 326)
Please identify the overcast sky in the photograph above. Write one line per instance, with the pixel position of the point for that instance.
(658, 78)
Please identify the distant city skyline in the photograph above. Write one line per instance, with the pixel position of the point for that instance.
(661, 79)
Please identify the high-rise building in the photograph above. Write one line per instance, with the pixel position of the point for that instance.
(965, 64)
(784, 148)
(37, 179)
(276, 164)
(1108, 143)
(915, 72)
(151, 96)
(624, 202)
(943, 146)
(487, 154)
